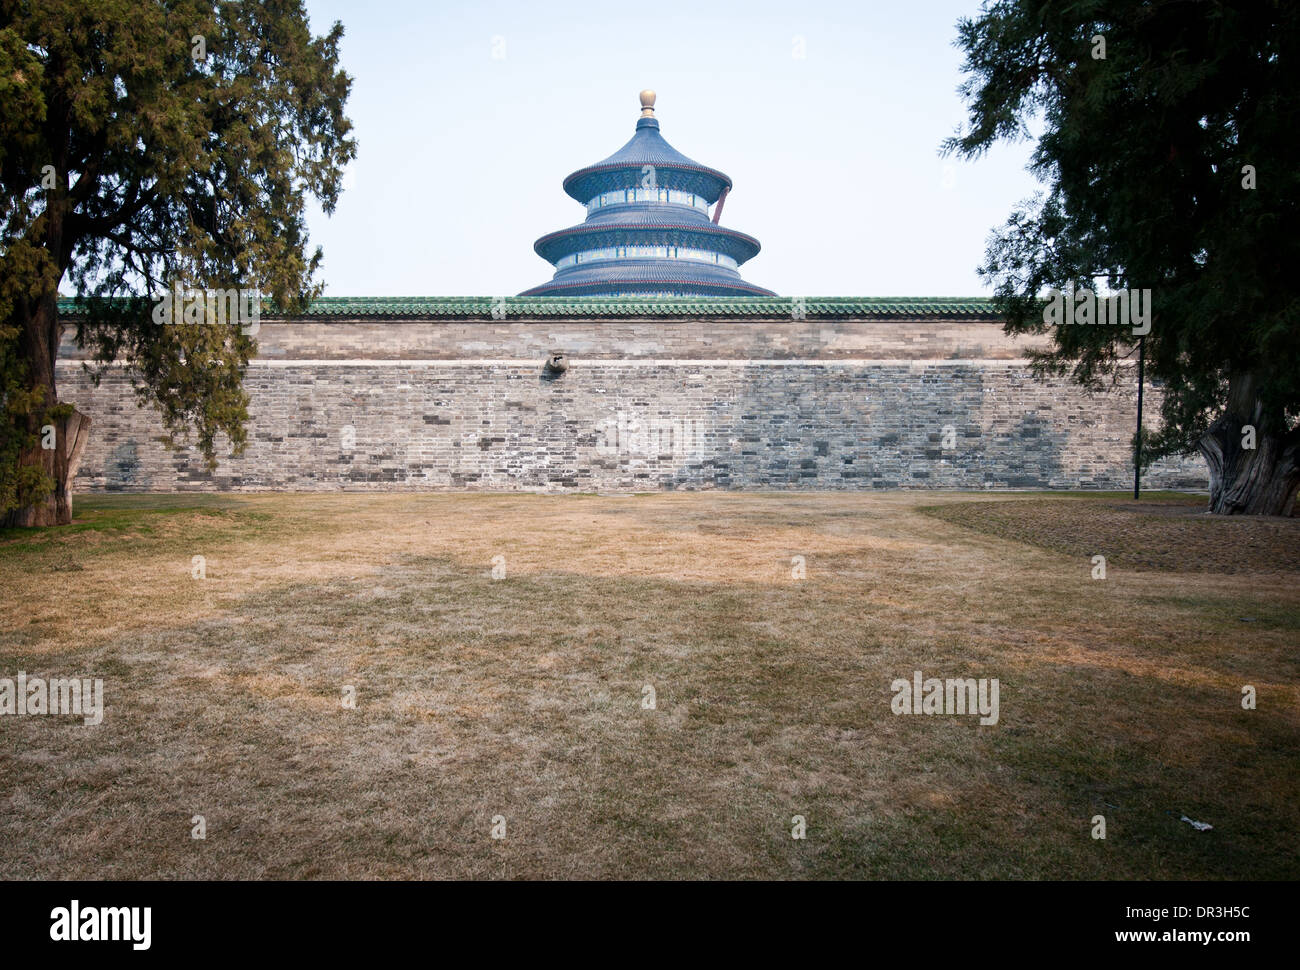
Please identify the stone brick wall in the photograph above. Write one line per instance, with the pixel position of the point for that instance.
(644, 405)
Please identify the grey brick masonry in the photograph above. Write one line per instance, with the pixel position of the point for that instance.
(645, 405)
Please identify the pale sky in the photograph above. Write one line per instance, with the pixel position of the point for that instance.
(833, 154)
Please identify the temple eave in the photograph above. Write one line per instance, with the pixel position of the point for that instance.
(648, 229)
(649, 288)
(566, 242)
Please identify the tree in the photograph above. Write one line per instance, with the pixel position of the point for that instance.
(147, 145)
(1171, 162)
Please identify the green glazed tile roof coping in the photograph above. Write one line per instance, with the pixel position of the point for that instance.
(489, 308)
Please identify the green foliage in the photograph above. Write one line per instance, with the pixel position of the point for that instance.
(1142, 155)
(166, 169)
(20, 484)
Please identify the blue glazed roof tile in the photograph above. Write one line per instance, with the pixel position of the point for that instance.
(647, 147)
(691, 255)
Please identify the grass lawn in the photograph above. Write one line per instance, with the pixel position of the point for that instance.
(522, 697)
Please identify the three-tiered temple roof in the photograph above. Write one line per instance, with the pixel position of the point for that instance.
(648, 230)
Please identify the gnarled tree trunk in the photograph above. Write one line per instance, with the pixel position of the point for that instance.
(39, 333)
(59, 463)
(1251, 481)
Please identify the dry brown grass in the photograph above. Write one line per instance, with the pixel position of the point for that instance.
(521, 697)
(1172, 533)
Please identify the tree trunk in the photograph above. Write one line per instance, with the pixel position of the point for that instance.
(1262, 480)
(59, 463)
(39, 335)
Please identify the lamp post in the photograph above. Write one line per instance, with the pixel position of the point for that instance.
(1137, 451)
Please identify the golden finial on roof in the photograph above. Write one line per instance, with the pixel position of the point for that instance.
(647, 103)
